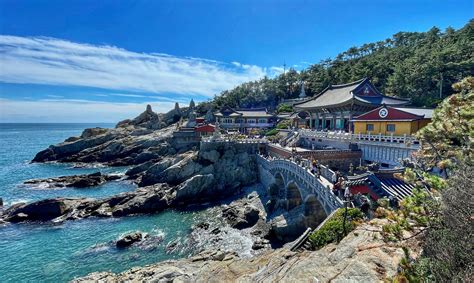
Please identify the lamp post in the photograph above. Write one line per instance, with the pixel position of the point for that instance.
(347, 196)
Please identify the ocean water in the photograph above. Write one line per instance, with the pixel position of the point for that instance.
(61, 252)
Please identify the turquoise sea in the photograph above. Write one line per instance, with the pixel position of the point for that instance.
(60, 252)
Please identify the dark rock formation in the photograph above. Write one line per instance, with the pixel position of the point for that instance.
(43, 210)
(240, 216)
(77, 181)
(129, 239)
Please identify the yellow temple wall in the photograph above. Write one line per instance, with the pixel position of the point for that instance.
(401, 127)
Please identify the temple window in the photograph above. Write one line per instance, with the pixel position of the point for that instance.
(390, 127)
(262, 121)
(370, 127)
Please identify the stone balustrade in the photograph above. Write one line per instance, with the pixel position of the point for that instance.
(402, 141)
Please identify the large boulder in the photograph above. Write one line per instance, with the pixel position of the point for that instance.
(289, 226)
(181, 171)
(148, 119)
(92, 132)
(241, 217)
(44, 210)
(127, 240)
(197, 189)
(210, 155)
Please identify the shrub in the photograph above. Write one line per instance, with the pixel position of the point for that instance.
(333, 229)
(272, 132)
(282, 108)
(283, 124)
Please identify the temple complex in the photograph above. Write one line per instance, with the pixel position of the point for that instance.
(337, 105)
(244, 119)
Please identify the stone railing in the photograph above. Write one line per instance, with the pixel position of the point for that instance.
(405, 140)
(322, 189)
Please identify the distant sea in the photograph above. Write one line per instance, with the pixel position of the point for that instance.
(61, 252)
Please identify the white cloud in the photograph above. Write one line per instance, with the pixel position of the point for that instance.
(73, 110)
(276, 70)
(42, 60)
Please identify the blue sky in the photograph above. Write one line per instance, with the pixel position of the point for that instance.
(102, 61)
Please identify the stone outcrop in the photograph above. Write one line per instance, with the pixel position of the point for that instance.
(43, 210)
(76, 181)
(241, 215)
(362, 256)
(132, 142)
(128, 239)
(148, 119)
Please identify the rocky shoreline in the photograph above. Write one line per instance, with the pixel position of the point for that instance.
(362, 256)
(175, 177)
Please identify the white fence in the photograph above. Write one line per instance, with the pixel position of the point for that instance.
(405, 140)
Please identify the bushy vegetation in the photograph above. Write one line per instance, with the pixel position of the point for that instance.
(449, 138)
(283, 124)
(445, 213)
(415, 65)
(284, 108)
(333, 229)
(271, 132)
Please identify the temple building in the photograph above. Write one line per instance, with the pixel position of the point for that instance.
(244, 119)
(388, 120)
(337, 105)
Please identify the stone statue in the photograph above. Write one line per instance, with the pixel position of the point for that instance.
(191, 120)
(209, 116)
(302, 92)
(217, 132)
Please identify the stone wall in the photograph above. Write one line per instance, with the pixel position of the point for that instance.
(338, 159)
(250, 148)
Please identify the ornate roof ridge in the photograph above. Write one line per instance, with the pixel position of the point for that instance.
(349, 84)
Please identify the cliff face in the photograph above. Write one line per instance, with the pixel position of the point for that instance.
(362, 256)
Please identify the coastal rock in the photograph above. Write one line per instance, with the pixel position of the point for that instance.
(43, 210)
(241, 217)
(130, 143)
(197, 189)
(148, 119)
(92, 132)
(129, 239)
(288, 226)
(362, 256)
(77, 181)
(181, 171)
(154, 173)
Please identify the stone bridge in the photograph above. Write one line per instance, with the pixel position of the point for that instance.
(294, 185)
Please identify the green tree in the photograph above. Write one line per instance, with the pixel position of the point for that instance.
(450, 135)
